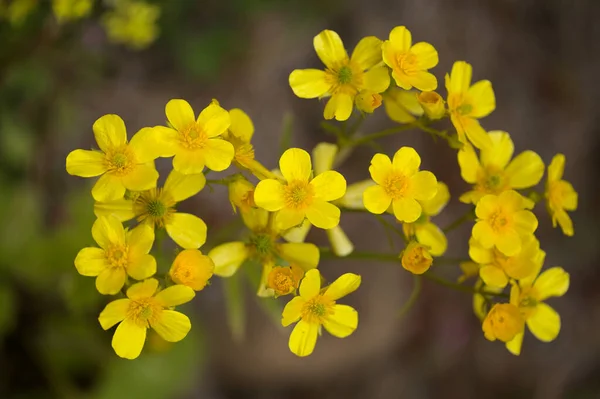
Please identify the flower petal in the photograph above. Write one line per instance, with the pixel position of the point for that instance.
(376, 200)
(509, 243)
(493, 276)
(214, 120)
(109, 131)
(339, 106)
(142, 177)
(295, 164)
(377, 79)
(436, 204)
(147, 144)
(552, 282)
(175, 295)
(114, 313)
(353, 198)
(142, 266)
(122, 209)
(340, 243)
(269, 195)
(330, 48)
(218, 154)
(345, 284)
(108, 231)
(525, 222)
(86, 163)
(469, 164)
(407, 210)
(556, 168)
(288, 218)
(407, 161)
(460, 77)
(423, 81)
(305, 255)
(501, 151)
(91, 261)
(427, 55)
(228, 257)
(108, 188)
(181, 187)
(303, 338)
(188, 231)
(310, 285)
(544, 323)
(241, 125)
(514, 345)
(298, 234)
(111, 280)
(342, 322)
(168, 140)
(401, 38)
(292, 311)
(482, 99)
(309, 83)
(565, 222)
(129, 339)
(424, 185)
(329, 185)
(433, 237)
(323, 156)
(475, 133)
(483, 233)
(381, 167)
(526, 170)
(144, 289)
(189, 162)
(172, 326)
(323, 215)
(180, 114)
(367, 53)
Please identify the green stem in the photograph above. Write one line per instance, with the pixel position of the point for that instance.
(414, 295)
(458, 287)
(469, 215)
(378, 135)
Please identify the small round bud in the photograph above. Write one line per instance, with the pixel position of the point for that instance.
(192, 268)
(241, 194)
(284, 280)
(368, 101)
(416, 258)
(433, 104)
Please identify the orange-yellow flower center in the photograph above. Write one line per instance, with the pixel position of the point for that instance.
(346, 78)
(193, 137)
(117, 256)
(528, 301)
(500, 221)
(154, 206)
(317, 309)
(244, 153)
(298, 194)
(144, 311)
(281, 280)
(397, 185)
(557, 194)
(416, 259)
(492, 181)
(407, 63)
(120, 161)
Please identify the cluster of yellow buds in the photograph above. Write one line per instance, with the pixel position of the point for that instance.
(281, 205)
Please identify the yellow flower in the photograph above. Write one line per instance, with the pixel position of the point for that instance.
(560, 195)
(314, 309)
(503, 222)
(324, 156)
(494, 172)
(133, 23)
(17, 11)
(196, 143)
(469, 269)
(121, 253)
(69, 10)
(400, 184)
(497, 268)
(344, 77)
(467, 103)
(146, 308)
(285, 280)
(503, 322)
(120, 165)
(156, 208)
(402, 106)
(426, 232)
(241, 194)
(301, 196)
(192, 269)
(368, 101)
(481, 304)
(542, 320)
(353, 199)
(264, 247)
(416, 258)
(433, 104)
(410, 62)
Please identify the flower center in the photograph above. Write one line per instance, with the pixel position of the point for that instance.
(144, 311)
(347, 78)
(117, 256)
(464, 109)
(298, 194)
(499, 221)
(345, 75)
(317, 309)
(154, 206)
(281, 280)
(407, 63)
(193, 137)
(397, 185)
(120, 161)
(262, 243)
(244, 153)
(557, 194)
(492, 181)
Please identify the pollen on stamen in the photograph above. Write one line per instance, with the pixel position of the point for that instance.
(193, 137)
(396, 185)
(298, 195)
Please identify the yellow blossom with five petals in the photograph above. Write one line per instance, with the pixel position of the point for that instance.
(122, 253)
(503, 322)
(316, 307)
(344, 77)
(560, 195)
(146, 307)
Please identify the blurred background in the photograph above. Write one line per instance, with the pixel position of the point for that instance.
(62, 68)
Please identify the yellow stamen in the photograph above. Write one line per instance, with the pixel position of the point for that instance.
(120, 161)
(298, 194)
(397, 185)
(144, 311)
(117, 256)
(193, 137)
(317, 309)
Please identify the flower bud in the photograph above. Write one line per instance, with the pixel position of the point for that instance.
(284, 280)
(416, 258)
(503, 322)
(192, 268)
(241, 194)
(433, 104)
(368, 101)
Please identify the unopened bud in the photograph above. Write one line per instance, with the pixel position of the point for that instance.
(368, 101)
(433, 104)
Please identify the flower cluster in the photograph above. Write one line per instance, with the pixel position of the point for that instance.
(279, 206)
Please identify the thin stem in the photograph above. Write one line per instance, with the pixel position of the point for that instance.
(458, 287)
(390, 226)
(469, 215)
(223, 182)
(414, 295)
(378, 135)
